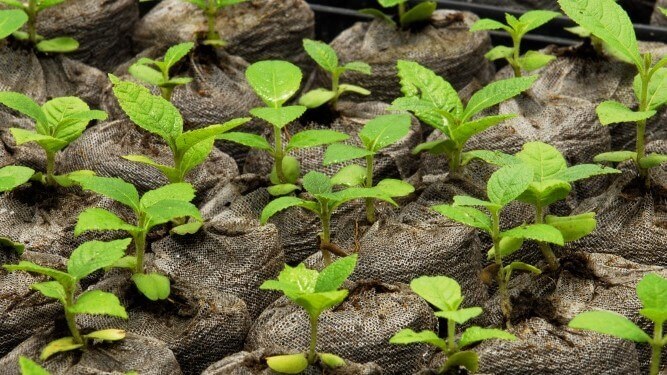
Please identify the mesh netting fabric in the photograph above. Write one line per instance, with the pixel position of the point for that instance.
(248, 28)
(445, 45)
(254, 363)
(358, 329)
(145, 355)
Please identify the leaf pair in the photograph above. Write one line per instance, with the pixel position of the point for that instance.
(419, 13)
(145, 69)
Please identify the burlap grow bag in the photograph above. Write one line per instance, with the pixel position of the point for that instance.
(445, 45)
(358, 329)
(257, 30)
(145, 355)
(254, 363)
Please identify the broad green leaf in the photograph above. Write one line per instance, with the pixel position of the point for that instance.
(282, 189)
(322, 53)
(534, 60)
(573, 227)
(170, 172)
(477, 334)
(537, 232)
(128, 262)
(460, 316)
(462, 133)
(440, 291)
(465, 215)
(58, 45)
(339, 153)
(358, 66)
(114, 188)
(181, 191)
(533, 19)
(426, 111)
(51, 289)
(94, 255)
(496, 93)
(343, 196)
(439, 147)
(394, 187)
(279, 117)
(408, 336)
(59, 276)
(175, 53)
(545, 193)
(66, 180)
(578, 31)
(25, 105)
(465, 200)
(317, 183)
(331, 360)
(47, 142)
(13, 176)
(146, 74)
(71, 127)
(106, 335)
(293, 281)
(64, 344)
(314, 138)
(191, 138)
(343, 88)
(315, 303)
(275, 82)
(316, 98)
(334, 275)
(609, 323)
(466, 359)
(247, 139)
(288, 363)
(29, 367)
(488, 24)
(612, 112)
(507, 183)
(652, 160)
(583, 171)
(97, 302)
(384, 131)
(351, 175)
(499, 52)
(508, 246)
(152, 285)
(419, 81)
(278, 205)
(652, 291)
(380, 15)
(194, 156)
(615, 156)
(497, 158)
(59, 110)
(10, 21)
(657, 89)
(418, 13)
(167, 210)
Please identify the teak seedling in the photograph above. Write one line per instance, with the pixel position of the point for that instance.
(30, 367)
(323, 203)
(504, 186)
(145, 69)
(211, 8)
(652, 292)
(608, 21)
(89, 257)
(31, 9)
(552, 182)
(444, 294)
(518, 28)
(315, 292)
(434, 101)
(157, 115)
(155, 207)
(275, 82)
(327, 59)
(406, 16)
(377, 134)
(58, 123)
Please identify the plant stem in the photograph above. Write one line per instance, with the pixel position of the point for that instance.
(656, 349)
(32, 21)
(326, 233)
(546, 250)
(166, 91)
(451, 342)
(279, 154)
(455, 160)
(505, 304)
(335, 86)
(516, 39)
(71, 317)
(140, 244)
(211, 13)
(50, 167)
(641, 126)
(313, 338)
(401, 13)
(370, 202)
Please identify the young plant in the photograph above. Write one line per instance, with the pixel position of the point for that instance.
(518, 28)
(314, 292)
(158, 116)
(434, 101)
(327, 59)
(29, 367)
(11, 20)
(504, 186)
(275, 82)
(14, 176)
(155, 207)
(552, 182)
(31, 9)
(652, 292)
(323, 203)
(444, 294)
(145, 69)
(406, 16)
(376, 135)
(211, 8)
(85, 259)
(608, 21)
(58, 123)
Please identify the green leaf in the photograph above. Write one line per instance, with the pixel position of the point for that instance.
(439, 147)
(167, 210)
(95, 255)
(351, 175)
(43, 4)
(59, 110)
(488, 24)
(351, 194)
(534, 60)
(395, 188)
(419, 81)
(477, 334)
(384, 131)
(191, 138)
(181, 191)
(194, 156)
(322, 53)
(545, 193)
(418, 13)
(427, 112)
(331, 360)
(314, 138)
(652, 291)
(25, 105)
(609, 323)
(440, 291)
(343, 88)
(315, 303)
(64, 344)
(508, 246)
(316, 98)
(61, 277)
(496, 93)
(358, 66)
(8, 243)
(66, 180)
(47, 142)
(467, 359)
(247, 139)
(460, 316)
(235, 123)
(128, 262)
(462, 133)
(583, 171)
(391, 3)
(152, 285)
(521, 266)
(408, 336)
(13, 3)
(499, 52)
(656, 89)
(317, 183)
(97, 302)
(106, 335)
(146, 74)
(379, 15)
(339, 153)
(573, 227)
(13, 176)
(609, 22)
(578, 31)
(507, 183)
(497, 158)
(293, 281)
(51, 289)
(537, 232)
(278, 205)
(652, 160)
(612, 112)
(533, 19)
(615, 156)
(279, 117)
(464, 200)
(288, 364)
(275, 82)
(10, 21)
(58, 45)
(334, 275)
(465, 215)
(187, 228)
(169, 172)
(114, 188)
(29, 367)
(282, 189)
(175, 53)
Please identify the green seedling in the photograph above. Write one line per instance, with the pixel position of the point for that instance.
(652, 292)
(89, 257)
(444, 294)
(323, 203)
(29, 367)
(376, 135)
(155, 207)
(30, 10)
(275, 82)
(157, 115)
(315, 292)
(211, 9)
(406, 16)
(552, 182)
(504, 186)
(608, 21)
(11, 20)
(327, 59)
(518, 28)
(58, 123)
(434, 101)
(145, 69)
(13, 176)
(663, 11)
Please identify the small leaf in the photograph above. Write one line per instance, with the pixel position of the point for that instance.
(351, 175)
(533, 19)
(467, 359)
(440, 291)
(67, 180)
(281, 189)
(534, 60)
(652, 291)
(322, 53)
(113, 188)
(615, 156)
(545, 193)
(10, 21)
(465, 215)
(408, 336)
(316, 98)
(167, 210)
(462, 133)
(498, 158)
(175, 53)
(583, 171)
(317, 183)
(508, 246)
(106, 335)
(288, 364)
(418, 13)
(152, 285)
(58, 45)
(464, 200)
(537, 232)
(275, 82)
(191, 138)
(652, 160)
(419, 81)
(343, 88)
(22, 136)
(187, 228)
(460, 316)
(97, 302)
(573, 227)
(279, 117)
(25, 105)
(314, 138)
(128, 262)
(293, 281)
(384, 131)
(13, 176)
(146, 74)
(247, 139)
(8, 243)
(181, 191)
(499, 52)
(358, 66)
(63, 278)
(379, 15)
(343, 196)
(521, 266)
(339, 153)
(278, 205)
(612, 112)
(64, 344)
(51, 289)
(609, 323)
(334, 275)
(331, 360)
(488, 24)
(477, 334)
(395, 188)
(391, 3)
(507, 183)
(656, 89)
(95, 255)
(99, 219)
(496, 93)
(315, 303)
(29, 367)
